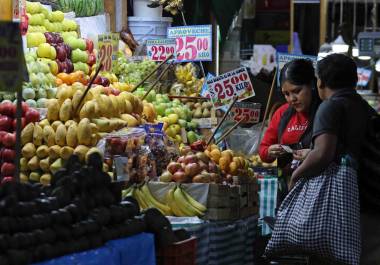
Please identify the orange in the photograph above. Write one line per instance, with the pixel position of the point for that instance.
(58, 82)
(64, 77)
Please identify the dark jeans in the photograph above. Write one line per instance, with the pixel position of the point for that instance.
(370, 228)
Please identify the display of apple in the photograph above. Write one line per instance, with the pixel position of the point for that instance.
(45, 50)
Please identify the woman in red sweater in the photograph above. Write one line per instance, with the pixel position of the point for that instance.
(291, 124)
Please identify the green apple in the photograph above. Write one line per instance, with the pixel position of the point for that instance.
(169, 111)
(182, 123)
(160, 109)
(34, 39)
(192, 137)
(33, 7)
(78, 55)
(44, 50)
(57, 16)
(36, 19)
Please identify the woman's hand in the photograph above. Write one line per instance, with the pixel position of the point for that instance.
(274, 151)
(301, 154)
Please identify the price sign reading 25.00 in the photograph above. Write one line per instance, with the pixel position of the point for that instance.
(160, 49)
(225, 87)
(247, 111)
(194, 43)
(108, 46)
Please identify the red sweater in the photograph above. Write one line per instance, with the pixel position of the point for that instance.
(296, 127)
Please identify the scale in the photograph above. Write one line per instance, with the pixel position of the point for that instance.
(369, 43)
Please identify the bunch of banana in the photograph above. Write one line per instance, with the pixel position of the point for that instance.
(182, 204)
(172, 6)
(186, 74)
(145, 198)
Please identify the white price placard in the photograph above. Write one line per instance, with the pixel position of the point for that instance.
(160, 49)
(229, 85)
(193, 43)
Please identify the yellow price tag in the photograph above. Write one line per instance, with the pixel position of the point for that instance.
(6, 10)
(108, 45)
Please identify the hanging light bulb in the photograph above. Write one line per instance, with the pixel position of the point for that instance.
(339, 46)
(364, 58)
(377, 66)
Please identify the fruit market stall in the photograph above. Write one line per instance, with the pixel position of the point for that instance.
(108, 152)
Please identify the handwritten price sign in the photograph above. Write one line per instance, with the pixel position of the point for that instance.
(108, 46)
(246, 111)
(193, 43)
(12, 61)
(225, 87)
(159, 50)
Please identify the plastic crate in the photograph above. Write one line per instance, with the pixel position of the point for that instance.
(180, 253)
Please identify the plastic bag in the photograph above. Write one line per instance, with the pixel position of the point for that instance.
(245, 140)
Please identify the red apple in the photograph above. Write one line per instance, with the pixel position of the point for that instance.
(5, 123)
(25, 108)
(2, 133)
(68, 49)
(91, 59)
(89, 45)
(191, 159)
(6, 108)
(69, 65)
(49, 37)
(32, 115)
(14, 123)
(7, 169)
(6, 179)
(9, 139)
(8, 155)
(61, 53)
(98, 80)
(115, 91)
(107, 91)
(173, 167)
(105, 81)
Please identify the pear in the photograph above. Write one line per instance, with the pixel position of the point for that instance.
(198, 113)
(206, 113)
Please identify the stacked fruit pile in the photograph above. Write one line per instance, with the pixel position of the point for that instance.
(42, 83)
(133, 73)
(229, 163)
(196, 168)
(73, 129)
(41, 20)
(200, 110)
(178, 202)
(175, 116)
(81, 210)
(8, 135)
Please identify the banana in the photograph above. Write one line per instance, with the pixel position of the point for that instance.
(139, 197)
(172, 203)
(127, 192)
(164, 209)
(184, 204)
(193, 202)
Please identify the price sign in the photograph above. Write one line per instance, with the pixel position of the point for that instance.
(193, 43)
(226, 86)
(12, 61)
(159, 50)
(108, 46)
(249, 112)
(6, 11)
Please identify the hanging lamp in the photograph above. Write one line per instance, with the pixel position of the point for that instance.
(338, 45)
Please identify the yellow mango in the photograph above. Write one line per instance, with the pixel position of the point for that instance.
(28, 151)
(38, 135)
(49, 135)
(60, 135)
(42, 151)
(72, 135)
(84, 132)
(65, 112)
(53, 110)
(27, 134)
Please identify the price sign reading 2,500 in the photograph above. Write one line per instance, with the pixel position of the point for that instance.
(227, 89)
(105, 56)
(192, 48)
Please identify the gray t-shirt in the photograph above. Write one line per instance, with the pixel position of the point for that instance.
(345, 115)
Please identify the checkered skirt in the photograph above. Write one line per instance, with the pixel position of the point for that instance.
(321, 217)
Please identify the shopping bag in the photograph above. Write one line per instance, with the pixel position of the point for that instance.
(320, 216)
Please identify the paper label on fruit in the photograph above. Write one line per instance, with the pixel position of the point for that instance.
(193, 43)
(232, 84)
(12, 61)
(159, 50)
(248, 111)
(108, 45)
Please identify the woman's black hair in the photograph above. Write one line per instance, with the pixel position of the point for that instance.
(300, 72)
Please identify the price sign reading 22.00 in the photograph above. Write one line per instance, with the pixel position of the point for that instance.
(194, 43)
(160, 49)
(225, 87)
(108, 46)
